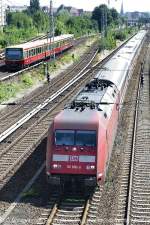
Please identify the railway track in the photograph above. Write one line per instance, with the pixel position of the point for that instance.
(133, 198)
(138, 209)
(72, 208)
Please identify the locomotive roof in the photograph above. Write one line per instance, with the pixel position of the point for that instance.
(75, 117)
(98, 95)
(33, 44)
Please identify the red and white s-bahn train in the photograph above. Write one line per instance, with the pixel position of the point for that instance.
(81, 136)
(22, 55)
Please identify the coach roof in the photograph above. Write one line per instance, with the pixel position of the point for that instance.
(34, 44)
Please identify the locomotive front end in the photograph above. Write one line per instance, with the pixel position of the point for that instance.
(72, 149)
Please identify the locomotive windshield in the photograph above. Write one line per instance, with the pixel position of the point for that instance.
(78, 138)
(14, 53)
(64, 137)
(86, 138)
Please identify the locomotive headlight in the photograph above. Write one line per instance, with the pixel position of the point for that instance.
(56, 166)
(90, 167)
(74, 149)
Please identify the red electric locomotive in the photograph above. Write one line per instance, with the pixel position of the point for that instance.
(81, 136)
(22, 55)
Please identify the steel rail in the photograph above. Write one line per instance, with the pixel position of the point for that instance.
(85, 213)
(52, 214)
(133, 153)
(134, 149)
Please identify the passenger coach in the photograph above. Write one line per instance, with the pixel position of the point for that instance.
(22, 55)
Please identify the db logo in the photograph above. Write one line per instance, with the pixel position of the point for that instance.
(73, 158)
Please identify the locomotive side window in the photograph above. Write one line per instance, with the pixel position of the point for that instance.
(86, 138)
(64, 137)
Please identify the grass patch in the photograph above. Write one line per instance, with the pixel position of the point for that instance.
(30, 193)
(67, 58)
(53, 66)
(8, 91)
(27, 80)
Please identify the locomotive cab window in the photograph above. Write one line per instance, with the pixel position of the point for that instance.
(78, 138)
(86, 138)
(14, 53)
(64, 137)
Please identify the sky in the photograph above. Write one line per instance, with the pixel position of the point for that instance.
(129, 5)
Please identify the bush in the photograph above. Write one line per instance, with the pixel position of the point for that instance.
(120, 35)
(8, 91)
(108, 42)
(27, 80)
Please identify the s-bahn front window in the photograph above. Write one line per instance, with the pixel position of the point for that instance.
(64, 137)
(78, 138)
(14, 53)
(86, 138)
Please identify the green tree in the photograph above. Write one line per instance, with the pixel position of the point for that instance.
(104, 16)
(34, 6)
(60, 28)
(40, 21)
(99, 15)
(63, 15)
(19, 20)
(114, 15)
(80, 25)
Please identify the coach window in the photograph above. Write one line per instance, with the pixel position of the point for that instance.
(86, 138)
(64, 137)
(25, 54)
(32, 52)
